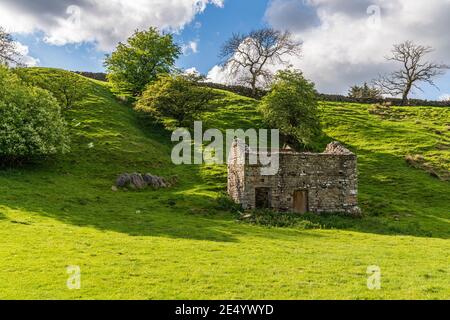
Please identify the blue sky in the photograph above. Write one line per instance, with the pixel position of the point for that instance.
(345, 41)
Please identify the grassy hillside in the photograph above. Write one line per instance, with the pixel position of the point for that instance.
(175, 244)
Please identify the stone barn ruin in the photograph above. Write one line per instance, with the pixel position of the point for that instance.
(305, 182)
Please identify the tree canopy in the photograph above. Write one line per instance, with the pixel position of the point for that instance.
(133, 65)
(364, 92)
(291, 106)
(247, 56)
(67, 87)
(175, 97)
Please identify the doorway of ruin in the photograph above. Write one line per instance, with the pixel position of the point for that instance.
(301, 201)
(262, 198)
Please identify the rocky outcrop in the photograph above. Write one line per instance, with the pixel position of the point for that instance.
(138, 181)
(155, 181)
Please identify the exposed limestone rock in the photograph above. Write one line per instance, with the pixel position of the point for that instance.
(155, 181)
(123, 181)
(139, 181)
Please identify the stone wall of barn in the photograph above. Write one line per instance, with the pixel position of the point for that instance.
(329, 180)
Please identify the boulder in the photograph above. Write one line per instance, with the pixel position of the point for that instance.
(155, 181)
(138, 181)
(123, 180)
(150, 179)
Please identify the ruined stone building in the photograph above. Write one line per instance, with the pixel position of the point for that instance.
(305, 182)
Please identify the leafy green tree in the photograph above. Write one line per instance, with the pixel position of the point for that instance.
(175, 97)
(364, 92)
(31, 124)
(291, 106)
(67, 87)
(138, 62)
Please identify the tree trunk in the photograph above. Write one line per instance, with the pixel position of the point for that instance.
(405, 95)
(253, 84)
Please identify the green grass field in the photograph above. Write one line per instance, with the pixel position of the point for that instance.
(175, 244)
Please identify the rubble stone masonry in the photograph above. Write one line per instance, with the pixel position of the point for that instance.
(318, 182)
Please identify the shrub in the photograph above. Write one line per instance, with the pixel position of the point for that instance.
(225, 203)
(364, 92)
(175, 97)
(67, 87)
(291, 106)
(31, 124)
(270, 218)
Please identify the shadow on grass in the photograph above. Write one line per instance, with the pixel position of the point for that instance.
(178, 213)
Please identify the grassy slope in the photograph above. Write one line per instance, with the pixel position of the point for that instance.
(174, 244)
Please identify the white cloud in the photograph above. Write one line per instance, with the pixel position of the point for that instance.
(192, 70)
(105, 22)
(346, 41)
(445, 97)
(190, 47)
(218, 75)
(24, 56)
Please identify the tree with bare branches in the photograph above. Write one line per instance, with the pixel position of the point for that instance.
(247, 56)
(8, 48)
(414, 70)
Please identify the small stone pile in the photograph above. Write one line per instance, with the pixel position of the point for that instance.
(139, 181)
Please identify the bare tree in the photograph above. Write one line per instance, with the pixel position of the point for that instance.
(8, 48)
(414, 70)
(247, 56)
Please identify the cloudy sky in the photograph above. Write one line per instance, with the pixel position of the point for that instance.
(345, 41)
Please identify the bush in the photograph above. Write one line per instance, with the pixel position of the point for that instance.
(270, 218)
(364, 92)
(31, 124)
(175, 98)
(225, 203)
(67, 87)
(291, 106)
